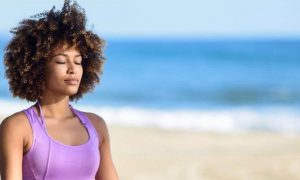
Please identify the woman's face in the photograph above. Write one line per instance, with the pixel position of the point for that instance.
(63, 71)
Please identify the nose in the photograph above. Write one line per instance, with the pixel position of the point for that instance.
(71, 69)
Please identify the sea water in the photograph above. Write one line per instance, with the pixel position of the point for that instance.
(212, 84)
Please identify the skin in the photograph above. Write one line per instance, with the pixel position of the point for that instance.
(61, 124)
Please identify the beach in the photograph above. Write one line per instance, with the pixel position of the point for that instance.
(193, 109)
(146, 151)
(151, 153)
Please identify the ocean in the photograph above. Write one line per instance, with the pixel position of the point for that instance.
(204, 84)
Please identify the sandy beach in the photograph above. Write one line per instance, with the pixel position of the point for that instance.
(141, 153)
(149, 153)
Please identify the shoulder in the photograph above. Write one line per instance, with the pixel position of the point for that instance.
(17, 121)
(15, 125)
(99, 124)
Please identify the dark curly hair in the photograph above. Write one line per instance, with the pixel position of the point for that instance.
(31, 45)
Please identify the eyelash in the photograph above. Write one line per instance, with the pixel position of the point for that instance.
(64, 63)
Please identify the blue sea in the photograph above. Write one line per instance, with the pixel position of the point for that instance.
(254, 81)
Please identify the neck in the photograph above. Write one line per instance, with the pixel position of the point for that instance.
(55, 108)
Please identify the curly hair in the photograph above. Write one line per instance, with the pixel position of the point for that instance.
(31, 45)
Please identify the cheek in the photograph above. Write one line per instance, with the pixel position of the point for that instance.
(54, 73)
(81, 71)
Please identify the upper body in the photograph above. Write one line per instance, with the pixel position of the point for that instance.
(53, 60)
(17, 139)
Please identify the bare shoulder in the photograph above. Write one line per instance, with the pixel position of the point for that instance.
(15, 125)
(96, 119)
(17, 120)
(99, 124)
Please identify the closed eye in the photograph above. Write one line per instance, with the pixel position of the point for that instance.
(65, 63)
(60, 62)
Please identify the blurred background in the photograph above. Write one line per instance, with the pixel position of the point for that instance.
(191, 89)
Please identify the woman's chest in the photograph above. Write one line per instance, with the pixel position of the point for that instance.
(69, 132)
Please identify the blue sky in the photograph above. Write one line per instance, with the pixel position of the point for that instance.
(173, 18)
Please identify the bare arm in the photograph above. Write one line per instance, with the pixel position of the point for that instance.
(106, 169)
(11, 148)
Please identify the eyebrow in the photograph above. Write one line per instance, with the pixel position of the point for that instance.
(62, 54)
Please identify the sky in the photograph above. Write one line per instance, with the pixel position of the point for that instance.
(172, 18)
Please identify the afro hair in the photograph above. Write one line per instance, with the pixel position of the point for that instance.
(31, 45)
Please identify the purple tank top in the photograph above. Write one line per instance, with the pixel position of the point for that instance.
(50, 159)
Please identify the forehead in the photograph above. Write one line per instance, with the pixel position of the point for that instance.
(65, 48)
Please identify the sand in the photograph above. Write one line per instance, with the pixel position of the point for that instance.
(150, 153)
(141, 153)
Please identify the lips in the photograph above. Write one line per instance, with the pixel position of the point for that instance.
(71, 81)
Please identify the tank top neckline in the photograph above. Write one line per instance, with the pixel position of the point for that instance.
(42, 122)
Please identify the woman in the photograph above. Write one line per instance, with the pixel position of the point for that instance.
(52, 60)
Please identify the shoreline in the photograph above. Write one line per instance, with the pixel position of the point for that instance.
(146, 153)
(237, 120)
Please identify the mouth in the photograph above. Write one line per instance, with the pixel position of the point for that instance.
(71, 81)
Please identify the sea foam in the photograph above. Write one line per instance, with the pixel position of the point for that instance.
(223, 120)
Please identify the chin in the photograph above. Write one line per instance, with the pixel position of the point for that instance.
(71, 92)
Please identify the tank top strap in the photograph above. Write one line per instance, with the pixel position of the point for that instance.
(30, 115)
(33, 121)
(87, 123)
